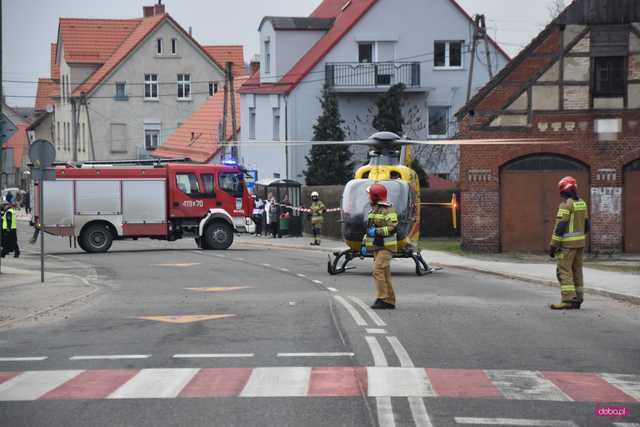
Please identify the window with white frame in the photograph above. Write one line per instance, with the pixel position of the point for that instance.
(252, 123)
(150, 86)
(365, 53)
(448, 54)
(438, 122)
(276, 124)
(267, 57)
(151, 139)
(159, 46)
(213, 88)
(174, 46)
(184, 86)
(121, 90)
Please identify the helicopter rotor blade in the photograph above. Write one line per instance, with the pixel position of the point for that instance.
(401, 142)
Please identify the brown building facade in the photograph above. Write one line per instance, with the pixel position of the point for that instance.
(577, 82)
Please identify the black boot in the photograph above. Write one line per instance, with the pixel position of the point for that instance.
(381, 305)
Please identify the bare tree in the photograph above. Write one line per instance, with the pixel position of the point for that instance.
(556, 7)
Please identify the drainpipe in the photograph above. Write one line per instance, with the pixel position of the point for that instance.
(286, 135)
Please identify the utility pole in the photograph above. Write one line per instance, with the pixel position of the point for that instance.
(75, 119)
(225, 112)
(83, 101)
(1, 100)
(234, 123)
(479, 33)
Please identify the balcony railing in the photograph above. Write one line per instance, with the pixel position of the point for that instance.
(372, 75)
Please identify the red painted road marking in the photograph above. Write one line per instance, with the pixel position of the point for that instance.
(328, 382)
(96, 384)
(217, 382)
(587, 387)
(4, 376)
(462, 383)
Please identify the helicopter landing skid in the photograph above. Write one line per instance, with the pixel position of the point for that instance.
(332, 265)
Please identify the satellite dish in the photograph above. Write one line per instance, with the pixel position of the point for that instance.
(49, 108)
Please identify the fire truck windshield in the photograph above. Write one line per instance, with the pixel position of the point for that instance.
(232, 183)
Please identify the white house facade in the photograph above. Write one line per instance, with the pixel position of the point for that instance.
(360, 48)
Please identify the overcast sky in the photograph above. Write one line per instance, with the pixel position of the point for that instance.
(29, 26)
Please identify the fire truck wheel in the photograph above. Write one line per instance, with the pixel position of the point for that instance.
(96, 238)
(218, 236)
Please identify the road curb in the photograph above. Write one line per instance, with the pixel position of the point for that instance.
(591, 291)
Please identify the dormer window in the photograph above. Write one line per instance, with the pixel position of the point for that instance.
(159, 47)
(174, 46)
(267, 57)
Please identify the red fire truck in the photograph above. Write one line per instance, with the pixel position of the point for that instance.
(99, 203)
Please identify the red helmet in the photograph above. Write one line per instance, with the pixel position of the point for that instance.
(377, 193)
(567, 183)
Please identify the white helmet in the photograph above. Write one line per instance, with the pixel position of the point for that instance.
(315, 194)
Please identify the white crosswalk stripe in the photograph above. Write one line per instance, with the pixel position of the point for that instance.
(33, 384)
(398, 382)
(526, 385)
(155, 383)
(266, 382)
(630, 384)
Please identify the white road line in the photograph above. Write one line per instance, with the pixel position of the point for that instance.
(514, 422)
(419, 412)
(266, 265)
(398, 382)
(629, 384)
(401, 352)
(286, 270)
(374, 331)
(22, 359)
(626, 424)
(266, 382)
(352, 311)
(374, 316)
(376, 351)
(385, 412)
(317, 282)
(111, 357)
(526, 385)
(332, 289)
(315, 354)
(301, 275)
(34, 384)
(155, 383)
(211, 355)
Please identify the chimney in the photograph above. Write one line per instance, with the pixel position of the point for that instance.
(147, 11)
(254, 65)
(158, 9)
(190, 31)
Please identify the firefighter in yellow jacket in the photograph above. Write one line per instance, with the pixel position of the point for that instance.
(381, 240)
(9, 231)
(317, 217)
(567, 244)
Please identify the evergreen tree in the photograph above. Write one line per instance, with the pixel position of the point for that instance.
(329, 164)
(389, 104)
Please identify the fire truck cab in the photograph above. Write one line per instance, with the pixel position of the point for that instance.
(100, 203)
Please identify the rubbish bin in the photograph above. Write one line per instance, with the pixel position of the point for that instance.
(284, 224)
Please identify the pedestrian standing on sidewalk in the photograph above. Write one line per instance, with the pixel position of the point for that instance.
(317, 217)
(381, 240)
(27, 202)
(258, 214)
(10, 232)
(272, 215)
(567, 244)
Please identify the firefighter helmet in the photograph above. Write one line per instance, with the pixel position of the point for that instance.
(567, 183)
(377, 193)
(315, 194)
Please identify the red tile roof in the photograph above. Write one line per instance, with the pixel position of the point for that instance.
(93, 41)
(222, 54)
(437, 183)
(54, 69)
(125, 47)
(46, 89)
(197, 137)
(346, 17)
(18, 142)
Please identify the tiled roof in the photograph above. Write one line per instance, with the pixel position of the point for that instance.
(222, 54)
(437, 183)
(121, 52)
(54, 68)
(346, 13)
(18, 141)
(93, 41)
(46, 89)
(197, 138)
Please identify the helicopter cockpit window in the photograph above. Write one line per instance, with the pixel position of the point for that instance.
(395, 175)
(356, 206)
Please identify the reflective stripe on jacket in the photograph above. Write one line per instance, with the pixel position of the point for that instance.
(569, 230)
(317, 212)
(13, 224)
(385, 219)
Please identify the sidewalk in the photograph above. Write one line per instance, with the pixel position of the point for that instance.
(623, 286)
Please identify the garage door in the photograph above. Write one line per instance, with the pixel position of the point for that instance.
(632, 207)
(529, 199)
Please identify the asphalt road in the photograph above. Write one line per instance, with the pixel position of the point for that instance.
(493, 352)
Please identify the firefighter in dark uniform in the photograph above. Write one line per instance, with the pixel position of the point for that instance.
(567, 244)
(381, 240)
(10, 232)
(318, 210)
